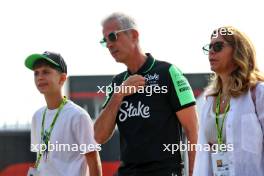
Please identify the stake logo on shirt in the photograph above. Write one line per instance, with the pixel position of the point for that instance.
(129, 110)
(152, 79)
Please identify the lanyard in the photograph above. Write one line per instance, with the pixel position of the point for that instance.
(46, 137)
(217, 112)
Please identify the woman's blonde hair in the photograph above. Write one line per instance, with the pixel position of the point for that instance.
(246, 75)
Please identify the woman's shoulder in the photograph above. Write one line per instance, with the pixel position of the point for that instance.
(260, 85)
(257, 92)
(260, 88)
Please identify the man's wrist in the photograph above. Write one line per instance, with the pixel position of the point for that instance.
(118, 96)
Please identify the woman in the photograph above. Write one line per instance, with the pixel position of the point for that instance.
(231, 116)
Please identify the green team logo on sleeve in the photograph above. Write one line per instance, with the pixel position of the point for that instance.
(182, 86)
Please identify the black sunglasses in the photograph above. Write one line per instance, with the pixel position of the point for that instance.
(112, 36)
(217, 47)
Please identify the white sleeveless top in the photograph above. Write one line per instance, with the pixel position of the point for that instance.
(210, 127)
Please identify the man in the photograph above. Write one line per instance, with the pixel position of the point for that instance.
(154, 102)
(62, 132)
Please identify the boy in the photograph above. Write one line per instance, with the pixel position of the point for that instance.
(61, 132)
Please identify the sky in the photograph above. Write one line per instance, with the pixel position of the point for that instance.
(171, 30)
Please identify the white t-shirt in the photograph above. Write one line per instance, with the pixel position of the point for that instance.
(71, 138)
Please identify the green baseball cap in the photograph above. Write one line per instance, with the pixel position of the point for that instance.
(53, 58)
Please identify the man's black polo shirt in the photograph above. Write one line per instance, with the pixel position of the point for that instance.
(146, 120)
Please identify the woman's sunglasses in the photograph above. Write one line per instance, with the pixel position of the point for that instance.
(217, 47)
(112, 36)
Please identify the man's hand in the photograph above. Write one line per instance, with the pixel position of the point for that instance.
(132, 84)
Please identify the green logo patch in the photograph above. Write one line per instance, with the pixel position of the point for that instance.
(182, 86)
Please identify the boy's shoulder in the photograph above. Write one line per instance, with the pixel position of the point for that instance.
(39, 112)
(74, 109)
(70, 110)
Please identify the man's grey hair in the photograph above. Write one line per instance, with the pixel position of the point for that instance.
(125, 21)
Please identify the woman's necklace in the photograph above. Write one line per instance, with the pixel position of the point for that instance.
(224, 98)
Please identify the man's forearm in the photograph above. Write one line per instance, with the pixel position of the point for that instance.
(105, 123)
(188, 119)
(192, 138)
